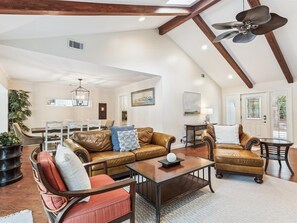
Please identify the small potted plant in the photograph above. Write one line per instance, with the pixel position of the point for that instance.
(8, 139)
(10, 158)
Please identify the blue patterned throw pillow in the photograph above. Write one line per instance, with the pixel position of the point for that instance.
(128, 140)
(114, 136)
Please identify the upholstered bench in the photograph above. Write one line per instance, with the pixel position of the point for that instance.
(239, 161)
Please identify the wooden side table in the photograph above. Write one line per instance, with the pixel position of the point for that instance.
(275, 149)
(193, 128)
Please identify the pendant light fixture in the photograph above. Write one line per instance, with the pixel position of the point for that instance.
(80, 96)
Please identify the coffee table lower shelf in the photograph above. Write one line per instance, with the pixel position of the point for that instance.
(161, 194)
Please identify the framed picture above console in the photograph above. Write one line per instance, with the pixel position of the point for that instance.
(191, 103)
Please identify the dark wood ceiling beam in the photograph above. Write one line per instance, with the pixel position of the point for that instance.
(211, 36)
(50, 7)
(275, 48)
(196, 9)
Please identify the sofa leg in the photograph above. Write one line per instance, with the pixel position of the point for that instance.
(259, 179)
(219, 175)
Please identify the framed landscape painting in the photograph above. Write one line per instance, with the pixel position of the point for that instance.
(143, 98)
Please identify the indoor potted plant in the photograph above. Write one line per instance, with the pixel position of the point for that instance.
(10, 158)
(18, 108)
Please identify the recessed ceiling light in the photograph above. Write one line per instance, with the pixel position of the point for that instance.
(141, 19)
(204, 47)
(230, 76)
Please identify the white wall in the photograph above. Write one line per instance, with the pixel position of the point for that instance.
(3, 102)
(150, 53)
(267, 87)
(4, 109)
(40, 93)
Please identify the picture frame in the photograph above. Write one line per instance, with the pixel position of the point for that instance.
(191, 103)
(145, 97)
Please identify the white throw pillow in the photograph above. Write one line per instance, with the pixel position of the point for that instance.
(227, 134)
(72, 170)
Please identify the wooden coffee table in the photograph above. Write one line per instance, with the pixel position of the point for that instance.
(160, 186)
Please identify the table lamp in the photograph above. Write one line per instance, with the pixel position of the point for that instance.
(206, 112)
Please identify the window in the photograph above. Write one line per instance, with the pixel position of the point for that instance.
(61, 102)
(253, 108)
(279, 115)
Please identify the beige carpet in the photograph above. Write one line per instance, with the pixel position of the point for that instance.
(236, 199)
(24, 216)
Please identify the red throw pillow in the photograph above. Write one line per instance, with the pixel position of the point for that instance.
(51, 173)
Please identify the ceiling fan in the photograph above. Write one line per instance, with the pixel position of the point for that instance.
(249, 24)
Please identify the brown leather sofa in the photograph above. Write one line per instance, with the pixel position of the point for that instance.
(234, 158)
(97, 146)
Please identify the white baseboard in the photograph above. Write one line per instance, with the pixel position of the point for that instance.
(177, 146)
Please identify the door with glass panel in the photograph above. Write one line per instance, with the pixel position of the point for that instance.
(255, 114)
(279, 114)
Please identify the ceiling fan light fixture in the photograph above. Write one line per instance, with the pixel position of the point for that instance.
(252, 22)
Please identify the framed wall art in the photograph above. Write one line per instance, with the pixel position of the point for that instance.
(143, 97)
(191, 103)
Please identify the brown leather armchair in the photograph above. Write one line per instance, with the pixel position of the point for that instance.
(246, 141)
(234, 158)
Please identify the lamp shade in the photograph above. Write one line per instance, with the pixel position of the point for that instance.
(80, 96)
(206, 111)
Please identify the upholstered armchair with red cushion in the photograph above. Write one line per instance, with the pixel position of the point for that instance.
(109, 202)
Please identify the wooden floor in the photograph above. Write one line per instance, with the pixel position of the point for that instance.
(24, 194)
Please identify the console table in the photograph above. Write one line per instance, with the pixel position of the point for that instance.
(275, 149)
(193, 128)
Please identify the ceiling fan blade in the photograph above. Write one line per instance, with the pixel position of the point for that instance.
(227, 25)
(244, 38)
(225, 35)
(275, 22)
(258, 15)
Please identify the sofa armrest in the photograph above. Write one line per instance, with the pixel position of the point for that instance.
(163, 139)
(206, 137)
(90, 164)
(248, 141)
(80, 151)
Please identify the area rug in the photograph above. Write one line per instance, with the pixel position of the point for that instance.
(24, 216)
(236, 199)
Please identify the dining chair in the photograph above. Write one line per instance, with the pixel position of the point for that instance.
(107, 124)
(109, 201)
(74, 126)
(26, 139)
(93, 125)
(53, 134)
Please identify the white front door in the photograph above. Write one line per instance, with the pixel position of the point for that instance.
(254, 114)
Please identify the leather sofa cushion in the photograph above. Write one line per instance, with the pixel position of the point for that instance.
(103, 207)
(239, 168)
(149, 151)
(228, 146)
(145, 135)
(112, 158)
(238, 157)
(94, 141)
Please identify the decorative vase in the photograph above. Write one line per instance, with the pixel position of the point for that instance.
(10, 164)
(171, 157)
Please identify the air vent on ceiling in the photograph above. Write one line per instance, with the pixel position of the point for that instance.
(75, 45)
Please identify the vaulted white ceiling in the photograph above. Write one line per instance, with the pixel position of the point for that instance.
(28, 63)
